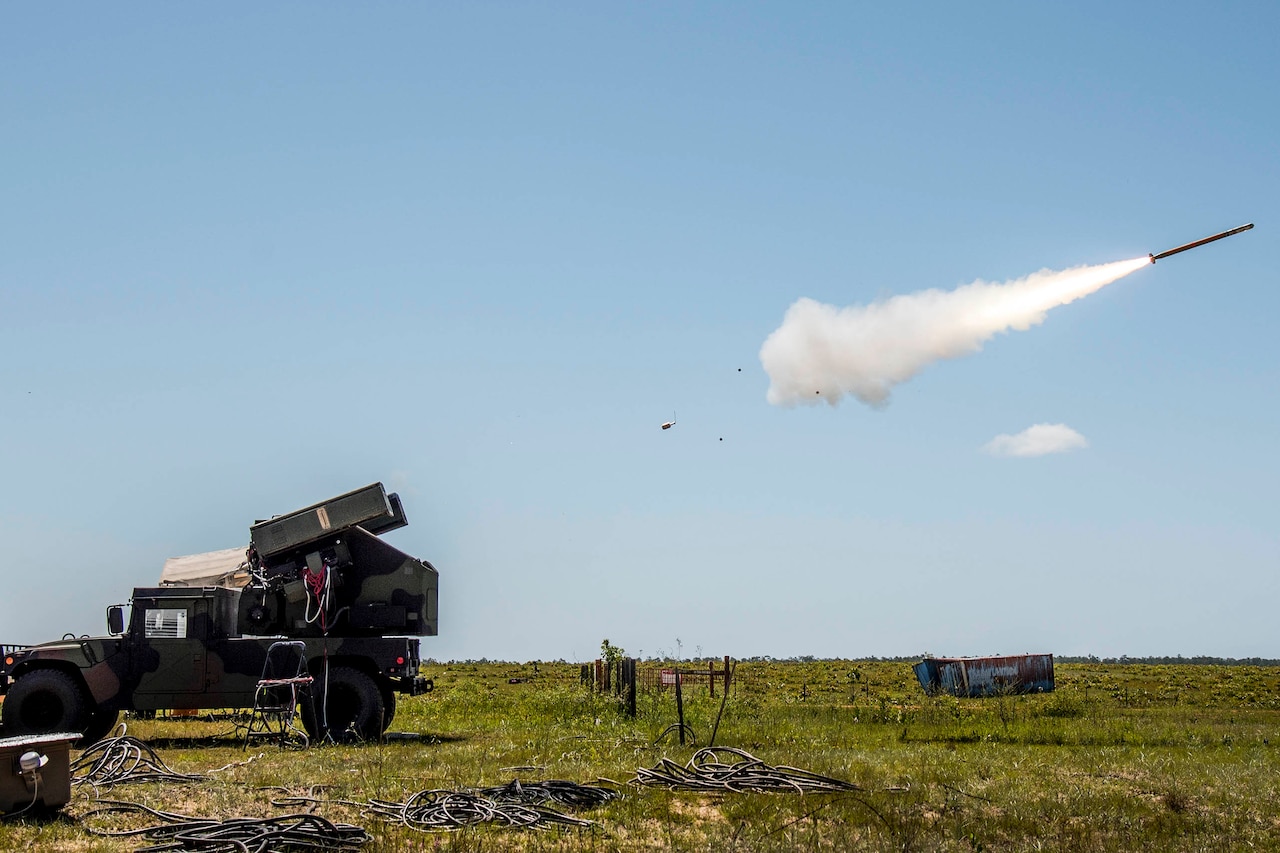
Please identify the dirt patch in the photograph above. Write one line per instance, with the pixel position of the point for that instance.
(700, 809)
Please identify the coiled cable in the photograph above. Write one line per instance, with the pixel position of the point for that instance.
(708, 771)
(122, 759)
(292, 833)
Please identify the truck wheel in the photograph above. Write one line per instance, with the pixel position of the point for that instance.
(354, 708)
(46, 701)
(100, 725)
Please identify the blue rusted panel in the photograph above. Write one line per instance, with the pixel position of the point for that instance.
(989, 676)
(927, 674)
(953, 678)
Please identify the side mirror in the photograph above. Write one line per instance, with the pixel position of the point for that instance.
(115, 619)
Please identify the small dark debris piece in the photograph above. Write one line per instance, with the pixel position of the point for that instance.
(516, 680)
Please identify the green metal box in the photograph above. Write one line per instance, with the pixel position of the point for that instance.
(368, 506)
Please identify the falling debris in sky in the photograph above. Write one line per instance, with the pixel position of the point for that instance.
(823, 352)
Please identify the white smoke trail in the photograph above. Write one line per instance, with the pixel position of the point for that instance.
(822, 352)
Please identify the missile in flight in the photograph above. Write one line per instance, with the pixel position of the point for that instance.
(1184, 248)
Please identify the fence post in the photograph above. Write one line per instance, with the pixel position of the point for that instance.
(726, 675)
(599, 683)
(711, 676)
(680, 707)
(631, 686)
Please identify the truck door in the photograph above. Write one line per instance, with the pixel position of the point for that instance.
(171, 658)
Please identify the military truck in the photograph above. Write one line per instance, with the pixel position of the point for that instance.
(321, 577)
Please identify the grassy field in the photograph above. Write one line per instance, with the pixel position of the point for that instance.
(1119, 757)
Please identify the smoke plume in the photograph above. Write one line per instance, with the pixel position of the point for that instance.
(822, 352)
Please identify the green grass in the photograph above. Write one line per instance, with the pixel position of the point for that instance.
(1120, 757)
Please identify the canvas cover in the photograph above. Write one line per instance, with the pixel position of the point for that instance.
(227, 567)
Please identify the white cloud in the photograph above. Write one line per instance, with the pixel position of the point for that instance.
(1038, 440)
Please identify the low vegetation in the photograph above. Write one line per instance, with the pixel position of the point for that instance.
(1122, 756)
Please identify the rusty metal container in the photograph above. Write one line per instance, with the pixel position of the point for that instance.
(986, 676)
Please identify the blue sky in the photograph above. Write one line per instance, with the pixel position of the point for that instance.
(257, 255)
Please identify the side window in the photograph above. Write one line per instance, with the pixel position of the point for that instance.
(166, 622)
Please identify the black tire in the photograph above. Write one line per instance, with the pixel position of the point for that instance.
(100, 725)
(353, 710)
(45, 701)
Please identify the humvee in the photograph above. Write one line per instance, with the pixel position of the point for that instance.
(321, 578)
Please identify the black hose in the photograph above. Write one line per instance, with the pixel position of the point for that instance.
(435, 810)
(117, 760)
(515, 805)
(293, 833)
(558, 791)
(706, 771)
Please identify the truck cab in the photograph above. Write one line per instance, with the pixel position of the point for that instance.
(176, 640)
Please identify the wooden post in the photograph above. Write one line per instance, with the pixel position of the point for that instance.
(726, 675)
(711, 677)
(599, 684)
(631, 686)
(680, 707)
